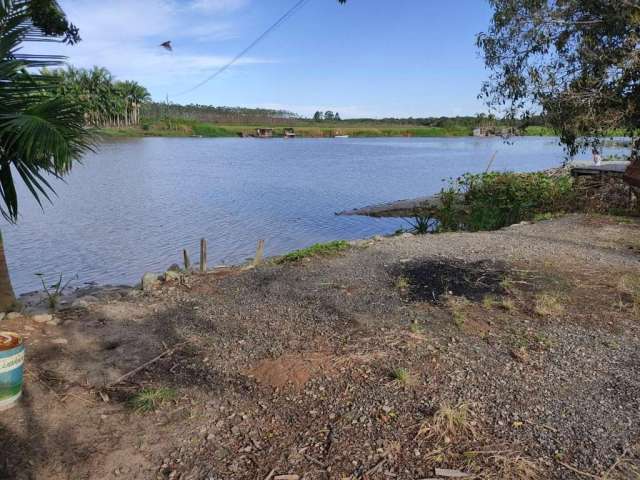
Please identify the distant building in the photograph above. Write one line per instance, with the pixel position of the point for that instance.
(289, 133)
(264, 132)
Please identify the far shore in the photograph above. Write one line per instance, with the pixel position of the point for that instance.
(212, 130)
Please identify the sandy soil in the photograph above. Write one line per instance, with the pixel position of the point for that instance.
(512, 354)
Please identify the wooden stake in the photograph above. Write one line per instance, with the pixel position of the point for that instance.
(203, 255)
(187, 262)
(259, 253)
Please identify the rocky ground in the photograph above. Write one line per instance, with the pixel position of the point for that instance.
(503, 355)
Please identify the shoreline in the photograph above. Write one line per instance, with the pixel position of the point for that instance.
(253, 369)
(245, 131)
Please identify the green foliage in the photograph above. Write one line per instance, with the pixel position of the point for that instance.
(150, 399)
(494, 200)
(54, 291)
(574, 59)
(40, 134)
(105, 101)
(422, 224)
(330, 248)
(400, 375)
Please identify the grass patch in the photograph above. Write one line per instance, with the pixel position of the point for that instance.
(493, 301)
(629, 284)
(450, 423)
(401, 375)
(324, 249)
(547, 305)
(402, 283)
(150, 399)
(416, 328)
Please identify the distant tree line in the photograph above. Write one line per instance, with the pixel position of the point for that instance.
(208, 113)
(106, 102)
(327, 116)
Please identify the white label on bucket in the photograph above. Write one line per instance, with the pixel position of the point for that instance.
(11, 363)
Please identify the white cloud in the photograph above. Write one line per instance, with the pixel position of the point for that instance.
(124, 36)
(218, 5)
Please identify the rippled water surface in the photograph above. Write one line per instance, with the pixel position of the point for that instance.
(135, 204)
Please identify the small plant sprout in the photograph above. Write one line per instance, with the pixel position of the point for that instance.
(421, 224)
(401, 375)
(54, 291)
(150, 399)
(489, 301)
(402, 283)
(416, 328)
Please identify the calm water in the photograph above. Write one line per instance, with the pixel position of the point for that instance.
(135, 204)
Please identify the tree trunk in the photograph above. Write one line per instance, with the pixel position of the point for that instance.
(7, 297)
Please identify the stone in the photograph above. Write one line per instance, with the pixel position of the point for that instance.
(149, 282)
(42, 318)
(59, 341)
(174, 268)
(171, 275)
(2, 315)
(79, 303)
(13, 315)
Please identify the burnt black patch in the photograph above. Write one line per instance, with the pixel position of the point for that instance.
(428, 280)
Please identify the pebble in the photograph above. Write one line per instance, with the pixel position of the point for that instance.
(42, 318)
(60, 341)
(13, 315)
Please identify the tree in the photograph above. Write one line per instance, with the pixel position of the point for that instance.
(40, 133)
(328, 116)
(318, 117)
(336, 117)
(575, 60)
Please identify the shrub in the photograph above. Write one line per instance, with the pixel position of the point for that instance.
(491, 201)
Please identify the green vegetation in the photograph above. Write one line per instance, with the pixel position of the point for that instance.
(54, 291)
(494, 200)
(41, 133)
(323, 249)
(105, 101)
(547, 305)
(186, 128)
(558, 58)
(150, 399)
(401, 375)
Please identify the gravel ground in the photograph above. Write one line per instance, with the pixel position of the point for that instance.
(511, 354)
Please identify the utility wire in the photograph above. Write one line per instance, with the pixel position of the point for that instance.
(297, 6)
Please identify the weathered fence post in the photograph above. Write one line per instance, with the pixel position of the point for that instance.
(259, 253)
(203, 255)
(187, 262)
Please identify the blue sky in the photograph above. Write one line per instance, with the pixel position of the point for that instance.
(369, 58)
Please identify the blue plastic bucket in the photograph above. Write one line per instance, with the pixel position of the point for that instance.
(11, 369)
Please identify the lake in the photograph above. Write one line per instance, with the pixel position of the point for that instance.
(133, 205)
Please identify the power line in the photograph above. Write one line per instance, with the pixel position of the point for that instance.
(297, 6)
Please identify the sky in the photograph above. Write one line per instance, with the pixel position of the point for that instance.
(368, 58)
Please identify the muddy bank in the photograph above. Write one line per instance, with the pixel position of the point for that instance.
(512, 354)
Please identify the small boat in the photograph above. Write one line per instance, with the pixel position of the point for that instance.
(341, 136)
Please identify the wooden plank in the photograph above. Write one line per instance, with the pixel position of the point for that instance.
(187, 262)
(203, 255)
(257, 260)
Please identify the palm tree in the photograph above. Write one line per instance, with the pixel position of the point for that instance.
(41, 133)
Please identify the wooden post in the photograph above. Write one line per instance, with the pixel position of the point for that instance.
(259, 253)
(187, 262)
(203, 255)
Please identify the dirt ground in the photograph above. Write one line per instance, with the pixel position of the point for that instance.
(503, 355)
